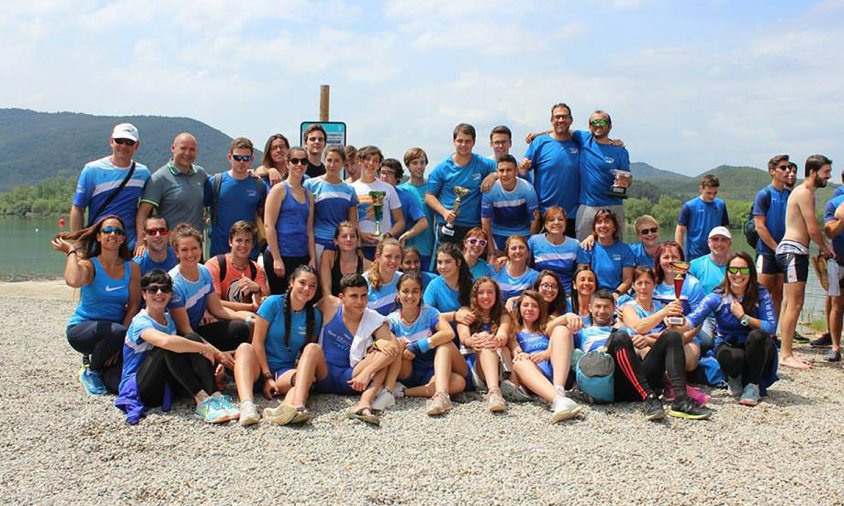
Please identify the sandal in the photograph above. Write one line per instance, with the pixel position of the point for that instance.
(302, 417)
(365, 415)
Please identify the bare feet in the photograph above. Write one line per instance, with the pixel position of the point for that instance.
(795, 362)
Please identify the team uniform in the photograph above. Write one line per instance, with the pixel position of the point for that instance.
(691, 295)
(641, 255)
(343, 350)
(608, 262)
(291, 228)
(535, 342)
(770, 203)
(332, 202)
(383, 299)
(441, 182)
(699, 217)
(178, 197)
(592, 337)
(837, 241)
(238, 199)
(793, 260)
(423, 242)
(559, 258)
(510, 212)
(597, 161)
(707, 272)
(555, 173)
(410, 207)
(98, 180)
(481, 268)
(147, 264)
(424, 327)
(281, 355)
(513, 286)
(441, 296)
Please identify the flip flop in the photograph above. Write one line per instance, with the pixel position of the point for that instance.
(360, 414)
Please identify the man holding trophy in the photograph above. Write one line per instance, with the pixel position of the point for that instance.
(454, 187)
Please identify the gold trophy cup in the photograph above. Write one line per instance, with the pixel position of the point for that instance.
(378, 208)
(460, 192)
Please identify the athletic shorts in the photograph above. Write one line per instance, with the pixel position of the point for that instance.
(419, 376)
(767, 264)
(545, 367)
(337, 381)
(258, 385)
(795, 266)
(474, 381)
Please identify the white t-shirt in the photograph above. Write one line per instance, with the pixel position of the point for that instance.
(366, 213)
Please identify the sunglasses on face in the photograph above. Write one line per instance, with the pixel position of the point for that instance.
(651, 230)
(599, 122)
(297, 161)
(113, 230)
(242, 158)
(783, 167)
(125, 142)
(474, 241)
(744, 271)
(157, 231)
(158, 288)
(560, 117)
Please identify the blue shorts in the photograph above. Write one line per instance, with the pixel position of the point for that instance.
(418, 376)
(471, 360)
(337, 381)
(545, 367)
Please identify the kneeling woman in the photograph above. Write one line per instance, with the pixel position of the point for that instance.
(431, 364)
(745, 321)
(283, 348)
(154, 356)
(542, 362)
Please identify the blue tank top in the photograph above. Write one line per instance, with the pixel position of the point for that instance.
(292, 224)
(105, 298)
(336, 341)
(532, 342)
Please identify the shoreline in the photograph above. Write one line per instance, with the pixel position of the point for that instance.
(43, 289)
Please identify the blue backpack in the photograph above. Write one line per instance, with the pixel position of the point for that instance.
(595, 371)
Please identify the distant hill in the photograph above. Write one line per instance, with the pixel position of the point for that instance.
(35, 145)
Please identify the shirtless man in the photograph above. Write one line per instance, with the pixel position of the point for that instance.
(792, 253)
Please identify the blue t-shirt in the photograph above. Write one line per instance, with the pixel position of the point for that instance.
(829, 215)
(510, 212)
(446, 175)
(410, 207)
(147, 264)
(238, 200)
(559, 258)
(98, 180)
(512, 286)
(383, 299)
(555, 173)
(441, 296)
(591, 337)
(423, 242)
(104, 298)
(332, 202)
(596, 164)
(481, 268)
(191, 295)
(135, 349)
(642, 256)
(838, 191)
(699, 218)
(707, 272)
(608, 262)
(770, 203)
(279, 355)
(424, 327)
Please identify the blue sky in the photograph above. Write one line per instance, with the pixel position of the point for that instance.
(690, 84)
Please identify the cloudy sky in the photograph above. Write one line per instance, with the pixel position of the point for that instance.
(690, 84)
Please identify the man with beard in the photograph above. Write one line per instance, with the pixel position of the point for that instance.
(792, 253)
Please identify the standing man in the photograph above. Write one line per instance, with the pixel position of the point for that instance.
(462, 168)
(833, 217)
(176, 190)
(599, 157)
(415, 159)
(352, 164)
(500, 140)
(769, 218)
(792, 253)
(415, 222)
(509, 207)
(700, 215)
(314, 145)
(112, 185)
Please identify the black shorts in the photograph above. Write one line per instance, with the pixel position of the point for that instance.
(795, 266)
(767, 264)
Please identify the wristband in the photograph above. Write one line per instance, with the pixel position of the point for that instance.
(424, 344)
(268, 376)
(73, 251)
(745, 320)
(617, 292)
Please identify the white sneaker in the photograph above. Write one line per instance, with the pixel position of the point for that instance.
(734, 386)
(399, 390)
(383, 400)
(248, 414)
(564, 408)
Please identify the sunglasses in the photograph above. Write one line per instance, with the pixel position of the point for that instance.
(242, 158)
(783, 167)
(599, 122)
(158, 288)
(113, 230)
(651, 230)
(125, 142)
(745, 271)
(157, 231)
(560, 117)
(474, 241)
(297, 161)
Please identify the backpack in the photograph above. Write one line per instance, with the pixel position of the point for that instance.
(221, 261)
(749, 226)
(595, 376)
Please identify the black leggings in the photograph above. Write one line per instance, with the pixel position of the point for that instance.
(101, 340)
(191, 371)
(636, 378)
(278, 285)
(749, 362)
(225, 335)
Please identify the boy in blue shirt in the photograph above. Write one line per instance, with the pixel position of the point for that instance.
(415, 221)
(769, 218)
(700, 215)
(510, 207)
(415, 159)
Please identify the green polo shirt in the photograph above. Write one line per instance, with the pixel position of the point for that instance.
(179, 198)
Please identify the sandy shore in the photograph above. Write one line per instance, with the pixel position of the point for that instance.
(61, 446)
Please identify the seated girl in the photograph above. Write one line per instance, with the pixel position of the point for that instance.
(383, 274)
(515, 276)
(345, 258)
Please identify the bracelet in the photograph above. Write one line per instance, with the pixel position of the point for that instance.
(73, 251)
(268, 376)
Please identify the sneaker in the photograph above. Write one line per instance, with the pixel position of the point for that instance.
(248, 414)
(231, 407)
(399, 390)
(91, 381)
(282, 414)
(734, 386)
(211, 411)
(653, 409)
(302, 417)
(685, 408)
(697, 395)
(495, 402)
(514, 393)
(385, 399)
(799, 338)
(564, 408)
(750, 395)
(668, 392)
(821, 342)
(440, 403)
(833, 356)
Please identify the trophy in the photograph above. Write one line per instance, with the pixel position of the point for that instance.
(460, 192)
(680, 269)
(378, 209)
(621, 183)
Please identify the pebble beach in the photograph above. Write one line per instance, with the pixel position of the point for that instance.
(61, 446)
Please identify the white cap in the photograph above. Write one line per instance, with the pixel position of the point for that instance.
(722, 231)
(125, 131)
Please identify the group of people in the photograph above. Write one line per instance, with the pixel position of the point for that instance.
(494, 274)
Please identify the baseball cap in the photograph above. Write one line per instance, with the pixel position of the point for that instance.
(125, 131)
(722, 231)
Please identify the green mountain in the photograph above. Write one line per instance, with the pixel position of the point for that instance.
(37, 145)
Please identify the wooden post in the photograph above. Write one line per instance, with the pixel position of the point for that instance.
(323, 102)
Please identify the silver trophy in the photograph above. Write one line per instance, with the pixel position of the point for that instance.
(622, 181)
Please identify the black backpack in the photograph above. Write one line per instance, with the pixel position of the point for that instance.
(221, 261)
(749, 226)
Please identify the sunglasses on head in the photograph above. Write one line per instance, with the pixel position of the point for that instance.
(599, 122)
(158, 288)
(113, 230)
(739, 270)
(474, 241)
(242, 158)
(297, 161)
(651, 230)
(125, 142)
(157, 231)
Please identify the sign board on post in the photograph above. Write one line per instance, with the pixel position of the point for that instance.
(335, 131)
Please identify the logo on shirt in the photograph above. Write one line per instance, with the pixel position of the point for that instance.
(617, 258)
(251, 193)
(609, 159)
(574, 151)
(112, 288)
(476, 177)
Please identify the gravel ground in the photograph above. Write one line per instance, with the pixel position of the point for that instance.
(61, 446)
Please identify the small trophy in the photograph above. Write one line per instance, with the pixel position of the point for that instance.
(460, 192)
(621, 183)
(378, 209)
(680, 269)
